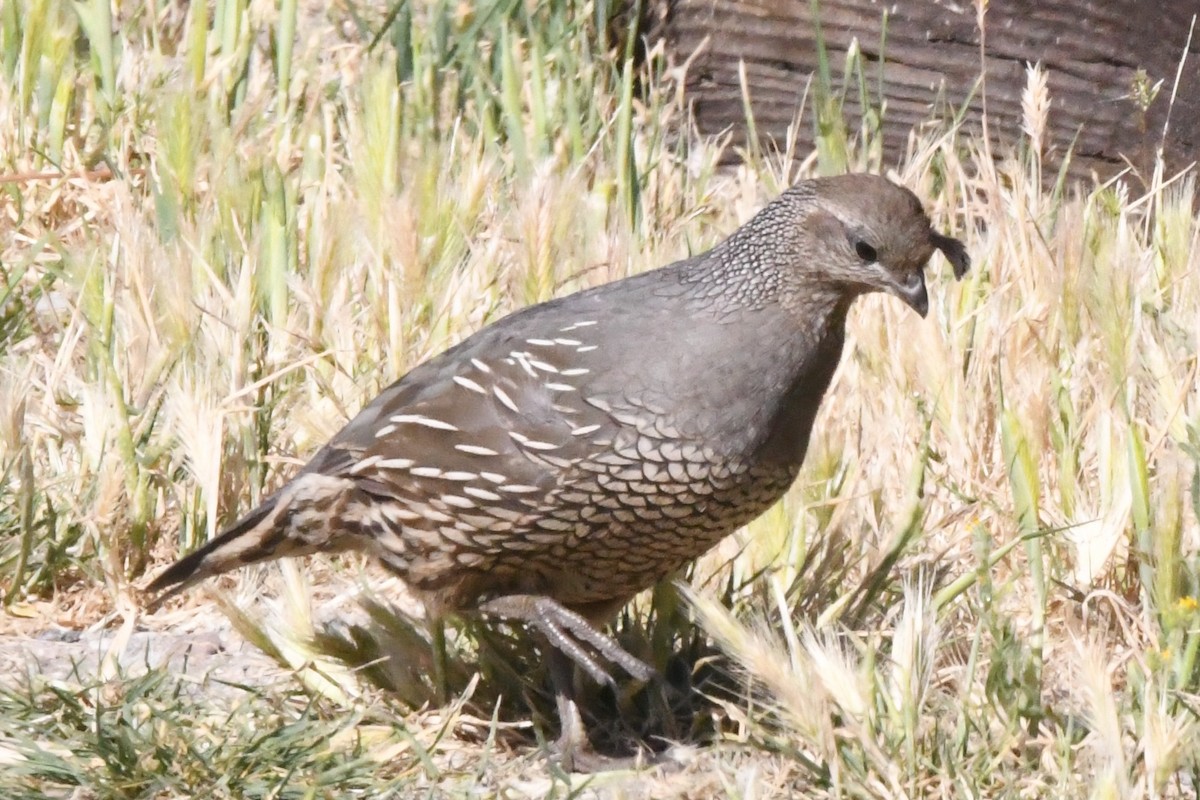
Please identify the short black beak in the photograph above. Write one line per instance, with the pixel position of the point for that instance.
(912, 291)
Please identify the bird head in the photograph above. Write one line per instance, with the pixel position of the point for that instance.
(873, 236)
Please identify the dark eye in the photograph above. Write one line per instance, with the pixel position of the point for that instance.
(865, 251)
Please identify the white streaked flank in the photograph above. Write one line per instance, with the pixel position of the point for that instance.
(457, 501)
(433, 515)
(532, 444)
(365, 463)
(552, 524)
(459, 538)
(518, 488)
(479, 365)
(394, 463)
(467, 383)
(540, 342)
(426, 472)
(570, 373)
(560, 387)
(542, 365)
(596, 402)
(503, 397)
(476, 450)
(428, 422)
(523, 359)
(482, 494)
(585, 430)
(386, 430)
(398, 514)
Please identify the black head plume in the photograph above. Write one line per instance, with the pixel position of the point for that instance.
(954, 251)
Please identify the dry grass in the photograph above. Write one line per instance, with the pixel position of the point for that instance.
(983, 583)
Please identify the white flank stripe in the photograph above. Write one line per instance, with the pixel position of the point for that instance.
(518, 488)
(587, 348)
(386, 430)
(533, 444)
(494, 477)
(482, 494)
(585, 323)
(467, 383)
(540, 342)
(479, 365)
(585, 430)
(551, 524)
(398, 514)
(598, 403)
(560, 387)
(428, 422)
(435, 515)
(394, 463)
(459, 475)
(456, 536)
(568, 342)
(503, 397)
(570, 373)
(475, 450)
(366, 463)
(456, 501)
(523, 359)
(542, 365)
(426, 472)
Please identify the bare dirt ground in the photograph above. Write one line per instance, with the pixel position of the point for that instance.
(79, 640)
(213, 655)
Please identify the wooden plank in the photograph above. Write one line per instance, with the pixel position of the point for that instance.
(1091, 49)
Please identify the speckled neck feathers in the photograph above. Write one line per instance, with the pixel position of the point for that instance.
(772, 261)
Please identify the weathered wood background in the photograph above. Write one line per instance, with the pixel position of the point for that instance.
(1092, 50)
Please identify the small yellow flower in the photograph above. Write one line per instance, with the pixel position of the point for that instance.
(1188, 603)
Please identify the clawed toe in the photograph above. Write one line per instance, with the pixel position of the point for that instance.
(569, 632)
(572, 758)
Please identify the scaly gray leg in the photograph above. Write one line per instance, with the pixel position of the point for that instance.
(568, 632)
(569, 635)
(573, 740)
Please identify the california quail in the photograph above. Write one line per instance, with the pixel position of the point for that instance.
(560, 460)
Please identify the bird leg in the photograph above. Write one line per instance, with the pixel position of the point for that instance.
(573, 745)
(568, 632)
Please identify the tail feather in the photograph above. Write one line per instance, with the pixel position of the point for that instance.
(308, 515)
(253, 538)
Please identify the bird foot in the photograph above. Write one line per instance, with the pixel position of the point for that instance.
(578, 756)
(570, 632)
(585, 760)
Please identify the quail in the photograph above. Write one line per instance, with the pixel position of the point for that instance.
(571, 454)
